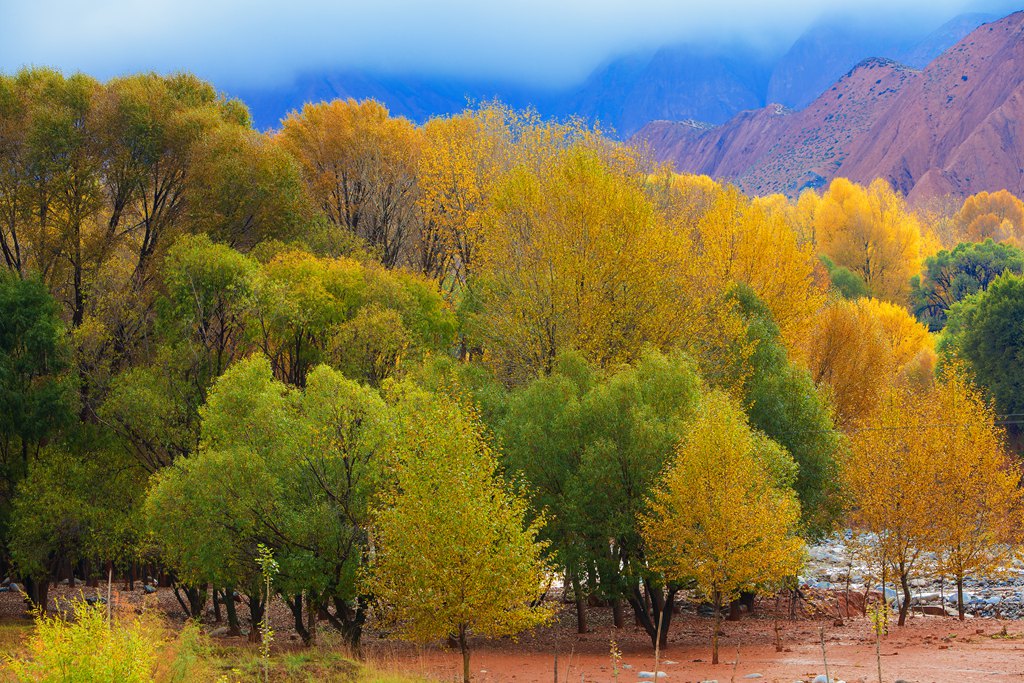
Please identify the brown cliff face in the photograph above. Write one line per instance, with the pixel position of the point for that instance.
(957, 127)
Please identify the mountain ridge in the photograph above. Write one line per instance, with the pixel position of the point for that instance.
(949, 128)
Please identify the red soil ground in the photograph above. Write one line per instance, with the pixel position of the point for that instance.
(927, 649)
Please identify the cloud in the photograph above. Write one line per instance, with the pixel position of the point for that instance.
(542, 42)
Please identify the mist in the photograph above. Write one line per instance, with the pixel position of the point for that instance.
(252, 43)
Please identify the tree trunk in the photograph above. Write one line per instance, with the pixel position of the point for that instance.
(256, 609)
(734, 611)
(295, 604)
(960, 597)
(464, 646)
(618, 618)
(905, 607)
(648, 618)
(216, 605)
(311, 612)
(37, 593)
(718, 625)
(581, 606)
(234, 629)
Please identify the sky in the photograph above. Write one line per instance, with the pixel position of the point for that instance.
(247, 43)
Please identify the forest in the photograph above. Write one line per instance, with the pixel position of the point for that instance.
(432, 370)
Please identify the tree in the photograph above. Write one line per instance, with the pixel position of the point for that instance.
(454, 554)
(890, 477)
(359, 165)
(871, 232)
(984, 331)
(782, 401)
(631, 420)
(858, 346)
(978, 483)
(293, 470)
(997, 216)
(725, 516)
(573, 259)
(36, 396)
(950, 276)
(543, 442)
(77, 505)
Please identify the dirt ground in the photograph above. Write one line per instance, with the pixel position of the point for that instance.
(929, 649)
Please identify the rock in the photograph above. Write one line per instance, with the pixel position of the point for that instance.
(148, 589)
(754, 676)
(15, 587)
(6, 582)
(95, 600)
(650, 674)
(935, 611)
(220, 632)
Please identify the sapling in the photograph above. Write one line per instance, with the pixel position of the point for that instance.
(269, 568)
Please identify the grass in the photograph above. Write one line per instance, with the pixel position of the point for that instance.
(243, 663)
(192, 657)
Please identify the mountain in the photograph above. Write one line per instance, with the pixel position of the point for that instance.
(832, 48)
(951, 128)
(675, 82)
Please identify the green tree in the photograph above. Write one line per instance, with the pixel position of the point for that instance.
(455, 555)
(291, 469)
(950, 276)
(79, 504)
(36, 396)
(542, 440)
(985, 331)
(782, 401)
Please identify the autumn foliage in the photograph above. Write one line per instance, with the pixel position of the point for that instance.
(435, 367)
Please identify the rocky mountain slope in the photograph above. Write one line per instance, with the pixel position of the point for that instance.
(952, 128)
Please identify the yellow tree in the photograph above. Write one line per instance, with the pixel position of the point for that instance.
(359, 165)
(978, 485)
(856, 348)
(871, 232)
(726, 516)
(998, 216)
(574, 258)
(462, 158)
(453, 552)
(890, 476)
(739, 241)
